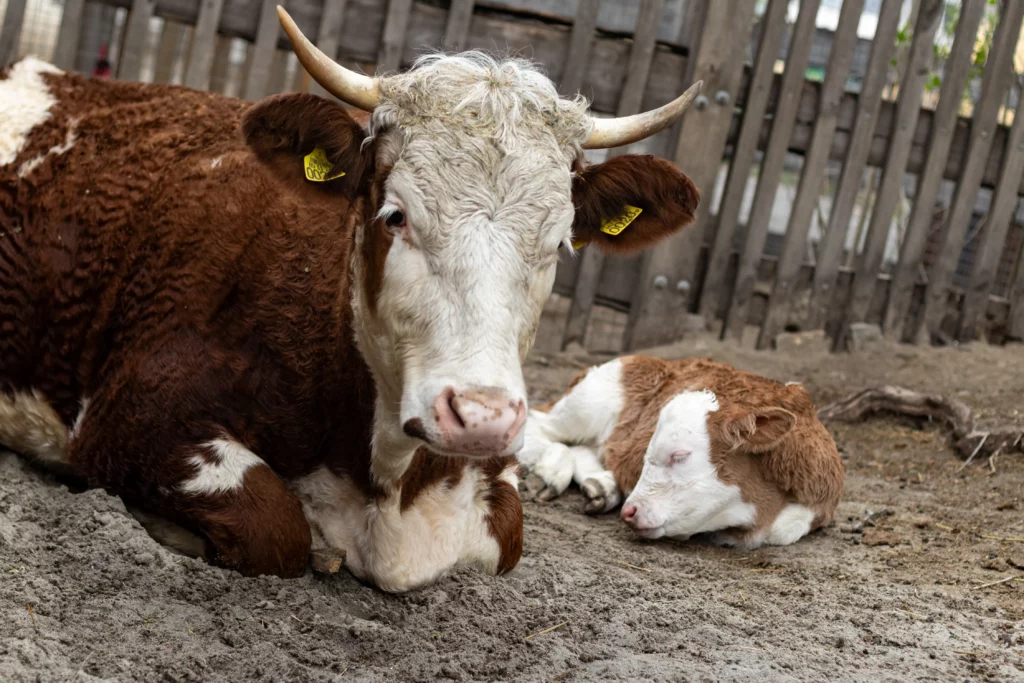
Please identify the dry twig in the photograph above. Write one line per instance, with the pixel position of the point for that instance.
(632, 566)
(996, 583)
(32, 614)
(547, 630)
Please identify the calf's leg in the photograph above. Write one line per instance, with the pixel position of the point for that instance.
(597, 483)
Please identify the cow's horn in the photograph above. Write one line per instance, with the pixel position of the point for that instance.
(348, 86)
(609, 133)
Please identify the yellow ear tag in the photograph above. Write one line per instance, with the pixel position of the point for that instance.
(579, 245)
(613, 226)
(318, 169)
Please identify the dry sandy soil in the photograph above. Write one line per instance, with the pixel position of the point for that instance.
(909, 584)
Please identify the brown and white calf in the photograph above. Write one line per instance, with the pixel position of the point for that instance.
(697, 446)
(275, 363)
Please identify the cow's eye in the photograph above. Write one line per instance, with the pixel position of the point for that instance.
(395, 220)
(679, 457)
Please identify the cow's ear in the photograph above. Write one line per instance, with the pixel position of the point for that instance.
(309, 140)
(607, 196)
(758, 430)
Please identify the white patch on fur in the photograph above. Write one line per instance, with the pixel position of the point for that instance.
(77, 426)
(400, 550)
(26, 104)
(227, 473)
(70, 137)
(684, 496)
(216, 161)
(30, 426)
(792, 524)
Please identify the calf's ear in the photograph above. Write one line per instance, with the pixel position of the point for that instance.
(607, 196)
(758, 430)
(283, 130)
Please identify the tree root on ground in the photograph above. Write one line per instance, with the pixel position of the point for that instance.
(969, 438)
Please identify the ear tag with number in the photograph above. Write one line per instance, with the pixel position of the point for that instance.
(318, 168)
(614, 226)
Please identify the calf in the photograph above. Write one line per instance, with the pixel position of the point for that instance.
(697, 446)
(281, 328)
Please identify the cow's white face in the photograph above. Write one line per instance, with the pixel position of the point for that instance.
(679, 493)
(470, 174)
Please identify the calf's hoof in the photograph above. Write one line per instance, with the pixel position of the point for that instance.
(601, 496)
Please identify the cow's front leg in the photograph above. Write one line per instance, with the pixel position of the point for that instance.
(195, 474)
(597, 484)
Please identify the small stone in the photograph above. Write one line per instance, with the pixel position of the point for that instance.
(328, 561)
(922, 522)
(996, 564)
(874, 538)
(144, 559)
(863, 337)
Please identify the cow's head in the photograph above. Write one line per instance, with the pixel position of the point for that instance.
(472, 176)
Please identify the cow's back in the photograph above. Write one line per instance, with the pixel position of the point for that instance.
(134, 214)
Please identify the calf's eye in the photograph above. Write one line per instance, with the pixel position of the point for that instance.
(395, 220)
(679, 457)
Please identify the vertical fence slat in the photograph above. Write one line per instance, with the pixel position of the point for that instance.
(995, 80)
(771, 169)
(200, 58)
(992, 239)
(1016, 296)
(328, 37)
(794, 245)
(456, 31)
(580, 42)
(10, 30)
(221, 65)
(130, 59)
(657, 314)
(773, 27)
(65, 51)
(955, 73)
(641, 56)
(869, 101)
(392, 42)
(262, 51)
(908, 107)
(167, 50)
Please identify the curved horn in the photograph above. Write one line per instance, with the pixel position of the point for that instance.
(348, 86)
(609, 133)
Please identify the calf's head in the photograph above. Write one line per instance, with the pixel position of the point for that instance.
(471, 175)
(680, 491)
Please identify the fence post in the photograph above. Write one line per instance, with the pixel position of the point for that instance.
(456, 32)
(10, 30)
(908, 107)
(200, 59)
(771, 170)
(267, 33)
(328, 35)
(137, 28)
(65, 51)
(773, 28)
(392, 42)
(657, 314)
(580, 42)
(794, 244)
(641, 56)
(995, 80)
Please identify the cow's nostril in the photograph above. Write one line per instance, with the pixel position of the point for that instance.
(628, 512)
(453, 405)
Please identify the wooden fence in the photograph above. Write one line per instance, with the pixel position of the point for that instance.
(943, 269)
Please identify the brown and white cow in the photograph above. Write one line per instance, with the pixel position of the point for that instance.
(277, 364)
(697, 446)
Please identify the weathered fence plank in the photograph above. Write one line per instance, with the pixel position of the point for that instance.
(794, 246)
(580, 43)
(136, 29)
(992, 239)
(392, 42)
(908, 107)
(204, 37)
(456, 31)
(943, 125)
(773, 27)
(167, 51)
(995, 80)
(262, 53)
(771, 170)
(660, 301)
(640, 59)
(328, 37)
(1016, 296)
(830, 247)
(10, 30)
(221, 65)
(66, 49)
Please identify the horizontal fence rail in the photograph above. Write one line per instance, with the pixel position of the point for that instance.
(846, 179)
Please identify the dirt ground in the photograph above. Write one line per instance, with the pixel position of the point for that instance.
(921, 577)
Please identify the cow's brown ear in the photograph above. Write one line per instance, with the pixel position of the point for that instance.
(607, 196)
(283, 129)
(758, 430)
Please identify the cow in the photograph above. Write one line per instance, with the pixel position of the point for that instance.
(698, 447)
(284, 326)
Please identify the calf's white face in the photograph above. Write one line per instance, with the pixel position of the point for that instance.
(679, 493)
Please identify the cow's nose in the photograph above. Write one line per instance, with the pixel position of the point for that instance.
(479, 421)
(628, 514)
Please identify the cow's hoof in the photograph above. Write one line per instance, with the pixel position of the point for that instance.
(601, 496)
